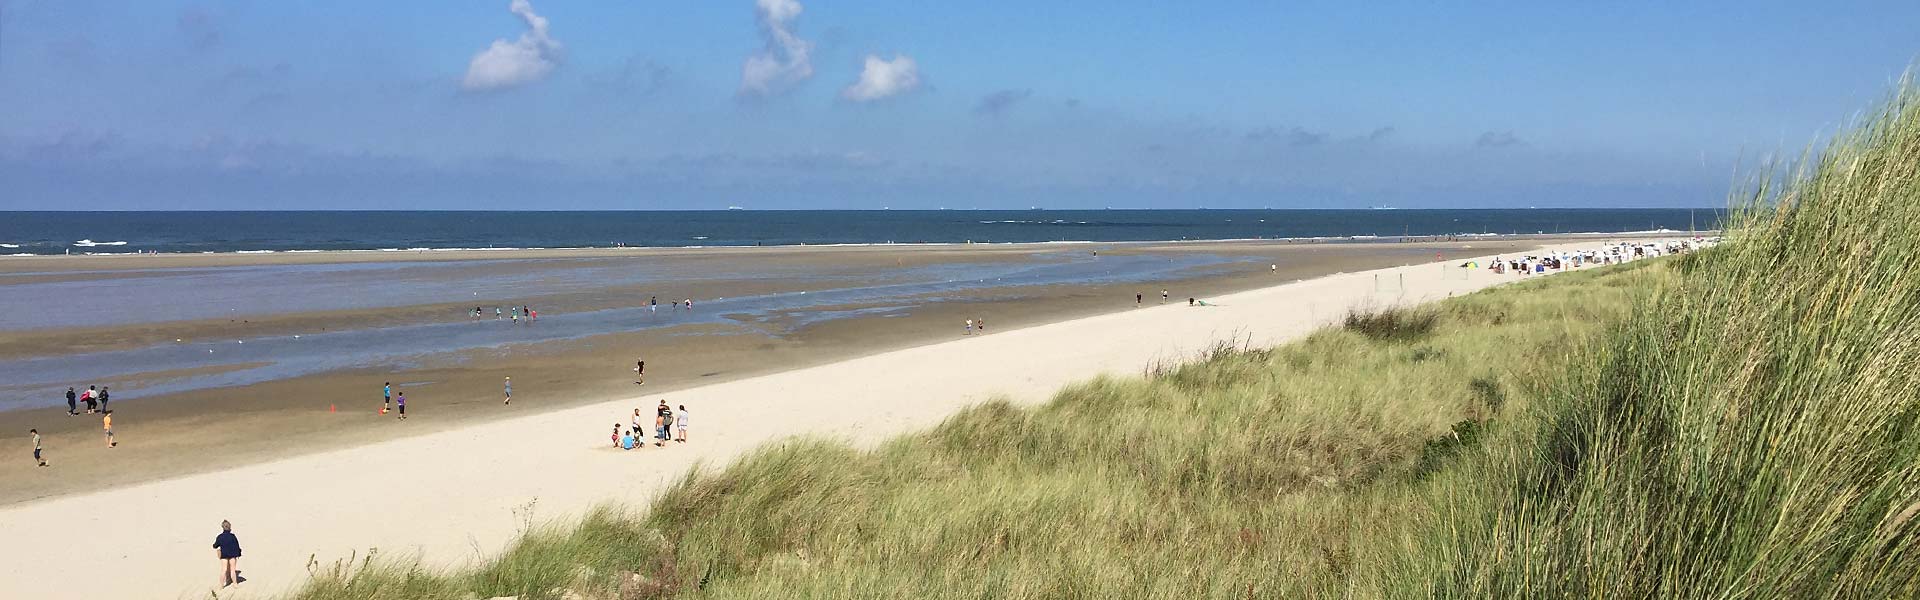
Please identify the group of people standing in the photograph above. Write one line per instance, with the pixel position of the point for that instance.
(653, 304)
(669, 425)
(95, 398)
(518, 314)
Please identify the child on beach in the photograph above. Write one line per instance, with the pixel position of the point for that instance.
(616, 435)
(36, 447)
(400, 402)
(386, 397)
(626, 441)
(509, 399)
(106, 422)
(227, 547)
(680, 424)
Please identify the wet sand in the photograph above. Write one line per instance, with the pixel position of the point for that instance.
(169, 436)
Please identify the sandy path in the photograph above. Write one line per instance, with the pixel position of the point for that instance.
(446, 494)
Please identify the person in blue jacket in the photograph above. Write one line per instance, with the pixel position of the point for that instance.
(228, 548)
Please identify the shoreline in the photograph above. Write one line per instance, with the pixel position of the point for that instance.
(425, 484)
(320, 256)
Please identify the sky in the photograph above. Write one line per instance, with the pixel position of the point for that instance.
(651, 104)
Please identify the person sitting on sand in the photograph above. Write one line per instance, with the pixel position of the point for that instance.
(626, 441)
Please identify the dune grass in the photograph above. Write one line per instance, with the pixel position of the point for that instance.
(1749, 433)
(1265, 471)
(1735, 423)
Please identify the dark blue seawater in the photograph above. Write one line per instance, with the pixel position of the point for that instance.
(116, 232)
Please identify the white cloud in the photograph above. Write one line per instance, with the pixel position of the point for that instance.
(882, 79)
(507, 64)
(786, 59)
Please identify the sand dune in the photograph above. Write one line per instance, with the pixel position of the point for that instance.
(444, 496)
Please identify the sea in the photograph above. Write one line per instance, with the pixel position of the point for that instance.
(50, 232)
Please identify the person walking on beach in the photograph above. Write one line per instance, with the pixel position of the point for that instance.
(636, 422)
(73, 402)
(106, 422)
(639, 374)
(103, 399)
(653, 304)
(969, 327)
(509, 385)
(386, 398)
(36, 447)
(680, 424)
(400, 402)
(1163, 295)
(496, 313)
(89, 397)
(980, 324)
(1137, 298)
(227, 547)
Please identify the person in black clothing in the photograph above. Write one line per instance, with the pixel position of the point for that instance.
(103, 399)
(228, 548)
(73, 403)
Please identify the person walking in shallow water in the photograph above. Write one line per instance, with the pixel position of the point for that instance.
(227, 547)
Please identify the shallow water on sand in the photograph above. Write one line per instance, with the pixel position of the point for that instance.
(214, 292)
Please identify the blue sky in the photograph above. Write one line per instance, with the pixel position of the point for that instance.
(819, 104)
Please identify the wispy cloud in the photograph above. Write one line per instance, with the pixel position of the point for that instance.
(1381, 134)
(881, 79)
(994, 104)
(785, 60)
(1296, 136)
(506, 64)
(1498, 139)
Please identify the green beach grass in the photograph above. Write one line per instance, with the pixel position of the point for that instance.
(1734, 423)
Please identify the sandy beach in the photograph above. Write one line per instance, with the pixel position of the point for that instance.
(467, 488)
(175, 432)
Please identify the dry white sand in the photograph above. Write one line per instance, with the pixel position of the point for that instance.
(446, 497)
